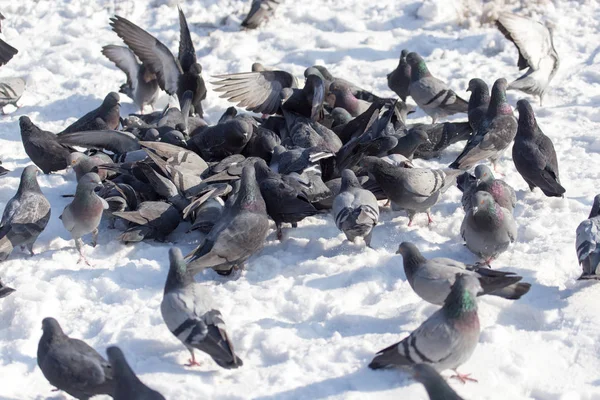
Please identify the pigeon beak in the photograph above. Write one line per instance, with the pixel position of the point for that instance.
(399, 251)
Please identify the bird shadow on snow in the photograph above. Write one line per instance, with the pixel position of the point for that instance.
(363, 381)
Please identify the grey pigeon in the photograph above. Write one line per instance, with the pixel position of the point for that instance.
(436, 386)
(7, 52)
(107, 116)
(71, 365)
(188, 311)
(83, 214)
(412, 189)
(484, 181)
(127, 385)
(408, 144)
(587, 243)
(43, 147)
(25, 215)
(487, 228)
(11, 90)
(533, 154)
(174, 76)
(260, 10)
(5, 290)
(152, 220)
(495, 133)
(141, 85)
(446, 340)
(213, 143)
(341, 95)
(355, 210)
(478, 102)
(399, 79)
(238, 234)
(432, 279)
(285, 203)
(440, 137)
(208, 214)
(431, 94)
(536, 51)
(82, 164)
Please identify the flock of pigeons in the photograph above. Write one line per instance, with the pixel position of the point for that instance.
(330, 146)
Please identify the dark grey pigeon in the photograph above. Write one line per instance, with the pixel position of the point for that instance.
(152, 220)
(399, 79)
(7, 52)
(127, 385)
(43, 147)
(355, 210)
(174, 76)
(25, 215)
(107, 116)
(488, 229)
(262, 144)
(436, 386)
(285, 203)
(240, 233)
(440, 137)
(495, 133)
(115, 141)
(478, 102)
(432, 279)
(188, 311)
(71, 365)
(446, 340)
(213, 143)
(341, 95)
(260, 10)
(141, 85)
(408, 144)
(533, 154)
(431, 94)
(536, 51)
(5, 290)
(587, 243)
(82, 216)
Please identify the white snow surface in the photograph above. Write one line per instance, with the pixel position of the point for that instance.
(308, 314)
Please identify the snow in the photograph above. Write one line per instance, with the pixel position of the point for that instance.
(309, 313)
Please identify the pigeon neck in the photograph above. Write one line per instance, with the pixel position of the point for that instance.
(249, 197)
(489, 216)
(479, 96)
(527, 124)
(595, 209)
(498, 104)
(459, 302)
(29, 184)
(412, 260)
(420, 71)
(178, 278)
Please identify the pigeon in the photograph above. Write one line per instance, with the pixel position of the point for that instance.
(478, 102)
(341, 96)
(432, 279)
(446, 339)
(440, 137)
(484, 180)
(127, 385)
(82, 164)
(399, 79)
(488, 229)
(71, 365)
(213, 143)
(495, 133)
(536, 51)
(587, 243)
(141, 85)
(355, 210)
(260, 10)
(105, 117)
(25, 215)
(412, 189)
(11, 90)
(238, 234)
(7, 52)
(83, 214)
(5, 290)
(152, 220)
(285, 203)
(436, 386)
(431, 94)
(188, 311)
(174, 76)
(408, 144)
(262, 144)
(43, 147)
(533, 154)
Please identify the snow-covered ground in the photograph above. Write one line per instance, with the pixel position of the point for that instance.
(310, 312)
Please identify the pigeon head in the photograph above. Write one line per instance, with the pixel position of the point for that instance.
(29, 180)
(89, 182)
(26, 126)
(178, 273)
(349, 180)
(238, 132)
(262, 170)
(479, 93)
(483, 201)
(315, 93)
(478, 85)
(527, 122)
(483, 174)
(313, 71)
(151, 135)
(75, 157)
(196, 69)
(51, 328)
(111, 100)
(118, 362)
(498, 102)
(420, 136)
(418, 67)
(462, 297)
(175, 138)
(403, 53)
(340, 116)
(595, 207)
(411, 257)
(324, 72)
(257, 67)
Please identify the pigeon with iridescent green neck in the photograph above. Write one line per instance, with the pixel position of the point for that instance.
(83, 215)
(446, 340)
(399, 79)
(25, 215)
(188, 311)
(436, 386)
(488, 229)
(534, 155)
(431, 94)
(495, 133)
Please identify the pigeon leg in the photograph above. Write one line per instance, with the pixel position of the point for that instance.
(192, 362)
(410, 221)
(79, 246)
(464, 378)
(368, 239)
(94, 237)
(294, 225)
(429, 219)
(279, 231)
(30, 248)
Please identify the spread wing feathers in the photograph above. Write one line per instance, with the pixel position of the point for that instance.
(187, 53)
(155, 55)
(256, 91)
(125, 60)
(115, 141)
(531, 38)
